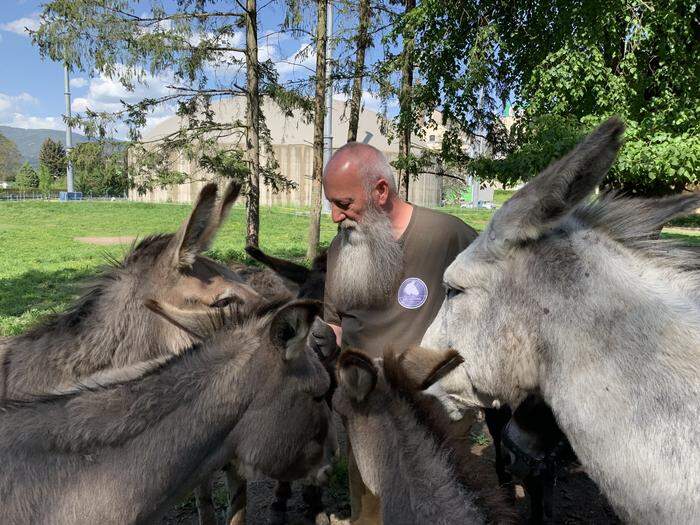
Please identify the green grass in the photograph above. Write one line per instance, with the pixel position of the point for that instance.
(41, 265)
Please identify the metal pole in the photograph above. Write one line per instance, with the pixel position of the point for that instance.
(328, 123)
(69, 135)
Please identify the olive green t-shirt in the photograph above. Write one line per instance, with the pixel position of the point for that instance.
(431, 242)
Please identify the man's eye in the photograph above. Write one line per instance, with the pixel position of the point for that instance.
(221, 303)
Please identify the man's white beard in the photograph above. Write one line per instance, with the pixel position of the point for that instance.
(369, 264)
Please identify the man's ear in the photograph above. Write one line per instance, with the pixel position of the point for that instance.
(382, 188)
(357, 375)
(417, 368)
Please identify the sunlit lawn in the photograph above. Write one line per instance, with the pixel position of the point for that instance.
(41, 262)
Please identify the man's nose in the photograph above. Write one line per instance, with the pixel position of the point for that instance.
(337, 215)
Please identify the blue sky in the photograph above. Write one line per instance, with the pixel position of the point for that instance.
(31, 89)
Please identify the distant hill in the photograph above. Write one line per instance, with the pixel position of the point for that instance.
(29, 141)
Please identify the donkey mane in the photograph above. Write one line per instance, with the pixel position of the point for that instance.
(636, 223)
(99, 381)
(82, 403)
(65, 322)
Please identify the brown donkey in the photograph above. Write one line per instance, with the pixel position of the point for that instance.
(398, 457)
(109, 326)
(124, 445)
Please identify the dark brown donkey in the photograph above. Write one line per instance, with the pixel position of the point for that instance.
(123, 446)
(109, 326)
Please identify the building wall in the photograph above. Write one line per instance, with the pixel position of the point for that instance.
(296, 164)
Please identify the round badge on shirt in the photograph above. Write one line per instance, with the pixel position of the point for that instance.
(413, 293)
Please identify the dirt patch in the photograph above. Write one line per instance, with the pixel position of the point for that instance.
(577, 500)
(106, 241)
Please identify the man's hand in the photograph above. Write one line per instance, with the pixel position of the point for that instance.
(321, 339)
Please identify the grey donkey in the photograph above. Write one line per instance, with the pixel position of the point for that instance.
(122, 446)
(580, 302)
(109, 326)
(398, 458)
(285, 279)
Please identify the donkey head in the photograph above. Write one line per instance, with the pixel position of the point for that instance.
(172, 270)
(369, 399)
(513, 292)
(276, 379)
(283, 432)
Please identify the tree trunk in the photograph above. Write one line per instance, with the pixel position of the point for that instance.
(406, 121)
(363, 42)
(253, 123)
(319, 116)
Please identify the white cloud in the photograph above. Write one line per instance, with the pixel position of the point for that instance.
(78, 82)
(302, 61)
(19, 120)
(107, 94)
(14, 108)
(21, 25)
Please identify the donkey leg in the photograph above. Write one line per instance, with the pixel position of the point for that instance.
(278, 509)
(205, 503)
(496, 420)
(235, 514)
(313, 498)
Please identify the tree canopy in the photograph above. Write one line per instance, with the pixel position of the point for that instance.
(10, 159)
(567, 65)
(53, 156)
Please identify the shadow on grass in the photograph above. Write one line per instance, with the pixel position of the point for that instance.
(37, 290)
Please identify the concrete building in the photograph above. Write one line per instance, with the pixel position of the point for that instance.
(292, 144)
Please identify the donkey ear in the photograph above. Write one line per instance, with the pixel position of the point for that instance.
(555, 192)
(357, 375)
(227, 200)
(418, 368)
(191, 324)
(294, 272)
(194, 235)
(290, 326)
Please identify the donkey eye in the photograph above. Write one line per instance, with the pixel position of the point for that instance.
(451, 292)
(221, 303)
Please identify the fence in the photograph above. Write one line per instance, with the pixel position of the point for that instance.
(14, 195)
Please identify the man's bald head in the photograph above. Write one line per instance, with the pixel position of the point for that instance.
(362, 161)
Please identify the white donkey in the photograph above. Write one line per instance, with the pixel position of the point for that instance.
(580, 302)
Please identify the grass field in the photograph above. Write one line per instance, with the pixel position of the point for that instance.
(41, 263)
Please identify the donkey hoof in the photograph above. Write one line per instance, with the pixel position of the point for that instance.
(322, 519)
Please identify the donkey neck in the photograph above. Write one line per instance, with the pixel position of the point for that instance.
(416, 478)
(610, 390)
(169, 426)
(107, 327)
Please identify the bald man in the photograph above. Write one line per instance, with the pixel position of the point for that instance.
(385, 266)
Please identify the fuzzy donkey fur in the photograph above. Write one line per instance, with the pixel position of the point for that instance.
(126, 444)
(283, 279)
(398, 458)
(582, 303)
(109, 326)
